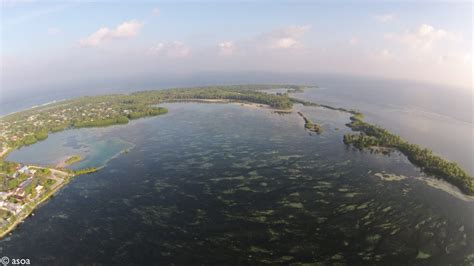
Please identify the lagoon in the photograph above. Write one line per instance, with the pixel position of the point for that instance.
(213, 183)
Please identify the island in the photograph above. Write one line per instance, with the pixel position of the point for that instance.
(309, 125)
(73, 159)
(372, 135)
(23, 187)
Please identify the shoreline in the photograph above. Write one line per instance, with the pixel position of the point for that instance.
(68, 177)
(63, 161)
(243, 103)
(20, 219)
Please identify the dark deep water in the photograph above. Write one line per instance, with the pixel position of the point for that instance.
(222, 184)
(436, 117)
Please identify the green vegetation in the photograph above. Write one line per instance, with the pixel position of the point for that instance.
(85, 171)
(43, 172)
(12, 183)
(102, 122)
(4, 214)
(32, 125)
(150, 112)
(73, 159)
(8, 168)
(30, 188)
(28, 127)
(296, 90)
(309, 125)
(306, 103)
(234, 93)
(41, 134)
(372, 135)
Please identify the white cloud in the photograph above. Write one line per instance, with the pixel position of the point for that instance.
(156, 11)
(383, 18)
(424, 37)
(95, 38)
(286, 43)
(280, 50)
(226, 48)
(427, 53)
(296, 31)
(172, 49)
(125, 30)
(286, 38)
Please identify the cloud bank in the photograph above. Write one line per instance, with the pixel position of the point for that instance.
(125, 30)
(424, 52)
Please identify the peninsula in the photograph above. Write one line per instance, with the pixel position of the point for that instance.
(23, 187)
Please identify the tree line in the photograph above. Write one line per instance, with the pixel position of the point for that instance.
(371, 135)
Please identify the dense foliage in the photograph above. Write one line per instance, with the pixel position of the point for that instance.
(372, 135)
(73, 159)
(85, 171)
(32, 125)
(235, 93)
(306, 103)
(101, 122)
(309, 125)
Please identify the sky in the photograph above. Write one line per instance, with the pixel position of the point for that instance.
(60, 43)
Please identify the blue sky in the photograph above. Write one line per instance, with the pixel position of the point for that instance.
(420, 40)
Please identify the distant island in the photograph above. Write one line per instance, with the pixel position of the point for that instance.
(23, 187)
(73, 159)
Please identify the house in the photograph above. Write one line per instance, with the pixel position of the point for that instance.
(20, 190)
(24, 170)
(25, 183)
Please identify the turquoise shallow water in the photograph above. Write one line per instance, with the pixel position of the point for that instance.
(222, 184)
(95, 146)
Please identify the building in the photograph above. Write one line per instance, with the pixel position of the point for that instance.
(39, 188)
(25, 183)
(24, 170)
